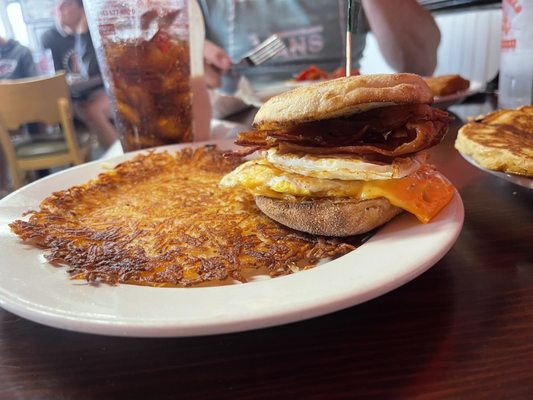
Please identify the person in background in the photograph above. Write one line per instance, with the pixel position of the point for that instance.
(314, 32)
(62, 46)
(92, 106)
(16, 60)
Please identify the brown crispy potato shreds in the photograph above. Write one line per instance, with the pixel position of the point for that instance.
(162, 220)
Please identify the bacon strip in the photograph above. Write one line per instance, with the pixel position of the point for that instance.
(389, 131)
(423, 140)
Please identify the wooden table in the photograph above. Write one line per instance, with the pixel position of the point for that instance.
(462, 330)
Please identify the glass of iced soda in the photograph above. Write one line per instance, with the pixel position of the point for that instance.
(143, 52)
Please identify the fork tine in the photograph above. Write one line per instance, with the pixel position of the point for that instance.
(273, 46)
(262, 45)
(259, 56)
(262, 57)
(264, 51)
(267, 42)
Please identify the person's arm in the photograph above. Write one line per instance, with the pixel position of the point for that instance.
(216, 63)
(407, 34)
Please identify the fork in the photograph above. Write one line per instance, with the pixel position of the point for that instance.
(263, 52)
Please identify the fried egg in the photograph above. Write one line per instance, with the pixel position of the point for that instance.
(260, 177)
(343, 167)
(423, 193)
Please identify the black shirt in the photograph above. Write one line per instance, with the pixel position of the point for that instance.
(62, 47)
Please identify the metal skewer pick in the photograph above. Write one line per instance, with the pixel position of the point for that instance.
(349, 38)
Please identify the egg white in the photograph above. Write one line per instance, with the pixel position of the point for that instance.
(341, 166)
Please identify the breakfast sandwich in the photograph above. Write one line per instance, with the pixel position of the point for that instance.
(342, 157)
(443, 85)
(500, 141)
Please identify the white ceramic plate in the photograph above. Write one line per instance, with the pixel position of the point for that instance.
(33, 289)
(454, 98)
(516, 179)
(261, 93)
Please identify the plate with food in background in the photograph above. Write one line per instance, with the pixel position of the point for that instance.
(500, 143)
(189, 240)
(524, 181)
(452, 89)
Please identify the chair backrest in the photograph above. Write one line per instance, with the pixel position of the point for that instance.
(32, 100)
(45, 100)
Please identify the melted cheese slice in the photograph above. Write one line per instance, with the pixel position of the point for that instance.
(423, 193)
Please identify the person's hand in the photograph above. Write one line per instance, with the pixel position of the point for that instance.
(216, 63)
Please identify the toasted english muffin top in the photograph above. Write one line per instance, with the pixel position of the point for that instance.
(340, 98)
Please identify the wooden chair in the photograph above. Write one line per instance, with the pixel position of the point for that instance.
(45, 100)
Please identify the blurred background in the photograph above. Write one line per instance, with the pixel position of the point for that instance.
(469, 46)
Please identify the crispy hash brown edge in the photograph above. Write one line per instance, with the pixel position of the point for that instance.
(105, 255)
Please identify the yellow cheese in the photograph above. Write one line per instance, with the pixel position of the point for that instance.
(423, 193)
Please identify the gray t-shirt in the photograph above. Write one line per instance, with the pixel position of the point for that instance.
(314, 32)
(16, 61)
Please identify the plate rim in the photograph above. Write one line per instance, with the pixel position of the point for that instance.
(474, 88)
(523, 181)
(443, 234)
